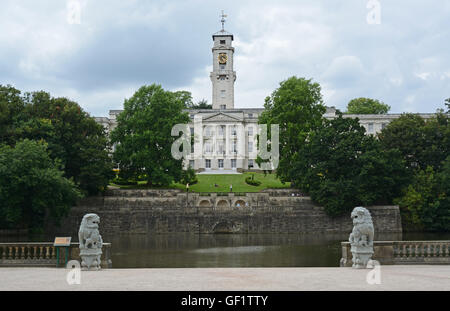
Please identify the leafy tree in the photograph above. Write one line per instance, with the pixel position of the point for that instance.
(297, 107)
(421, 143)
(189, 176)
(364, 105)
(32, 186)
(447, 103)
(425, 204)
(11, 113)
(341, 167)
(202, 104)
(185, 97)
(143, 135)
(72, 135)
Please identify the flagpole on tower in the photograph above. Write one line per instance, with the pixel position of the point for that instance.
(223, 20)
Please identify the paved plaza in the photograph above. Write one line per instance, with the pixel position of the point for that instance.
(431, 277)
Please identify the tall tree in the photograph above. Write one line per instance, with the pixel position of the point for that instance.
(143, 135)
(32, 186)
(341, 167)
(425, 204)
(72, 135)
(297, 107)
(421, 143)
(364, 105)
(11, 114)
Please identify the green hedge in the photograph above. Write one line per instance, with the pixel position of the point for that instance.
(252, 182)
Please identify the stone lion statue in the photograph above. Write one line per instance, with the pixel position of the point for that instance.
(90, 241)
(361, 238)
(362, 234)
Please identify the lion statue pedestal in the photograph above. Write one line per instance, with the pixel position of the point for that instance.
(361, 238)
(90, 242)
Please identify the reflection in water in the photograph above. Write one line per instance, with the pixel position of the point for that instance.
(182, 250)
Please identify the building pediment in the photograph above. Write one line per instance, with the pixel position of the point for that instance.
(222, 117)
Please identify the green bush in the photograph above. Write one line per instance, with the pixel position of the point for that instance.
(252, 182)
(189, 176)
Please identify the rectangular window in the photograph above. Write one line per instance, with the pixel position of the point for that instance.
(250, 115)
(250, 131)
(222, 93)
(223, 107)
(233, 130)
(221, 129)
(208, 131)
(220, 162)
(370, 127)
(208, 163)
(191, 163)
(250, 163)
(220, 147)
(383, 125)
(222, 41)
(250, 146)
(208, 147)
(233, 163)
(234, 147)
(192, 131)
(192, 147)
(222, 67)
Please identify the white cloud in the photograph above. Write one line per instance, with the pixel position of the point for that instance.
(121, 45)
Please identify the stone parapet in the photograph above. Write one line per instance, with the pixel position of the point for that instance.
(138, 211)
(43, 254)
(403, 252)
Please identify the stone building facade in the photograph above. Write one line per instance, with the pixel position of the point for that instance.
(225, 136)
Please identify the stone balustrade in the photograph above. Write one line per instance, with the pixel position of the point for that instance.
(403, 252)
(38, 254)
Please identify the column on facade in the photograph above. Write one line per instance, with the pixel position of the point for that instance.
(214, 161)
(198, 142)
(227, 161)
(241, 145)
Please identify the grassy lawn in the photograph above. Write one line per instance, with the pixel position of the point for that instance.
(206, 183)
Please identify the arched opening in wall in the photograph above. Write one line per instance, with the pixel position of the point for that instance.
(223, 227)
(222, 204)
(204, 203)
(239, 203)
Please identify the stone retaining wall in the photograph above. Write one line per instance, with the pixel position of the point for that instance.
(161, 211)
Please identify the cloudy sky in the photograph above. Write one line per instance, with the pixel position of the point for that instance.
(119, 45)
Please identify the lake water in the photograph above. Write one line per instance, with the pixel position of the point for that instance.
(231, 250)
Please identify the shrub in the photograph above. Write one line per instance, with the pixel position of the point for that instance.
(251, 181)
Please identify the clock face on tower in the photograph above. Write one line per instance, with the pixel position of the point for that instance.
(222, 58)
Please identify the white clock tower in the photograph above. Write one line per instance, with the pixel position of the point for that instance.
(223, 76)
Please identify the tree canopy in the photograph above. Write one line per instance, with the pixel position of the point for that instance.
(143, 135)
(364, 105)
(421, 143)
(297, 107)
(341, 167)
(72, 135)
(32, 186)
(202, 104)
(425, 148)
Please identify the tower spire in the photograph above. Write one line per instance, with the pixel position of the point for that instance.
(223, 20)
